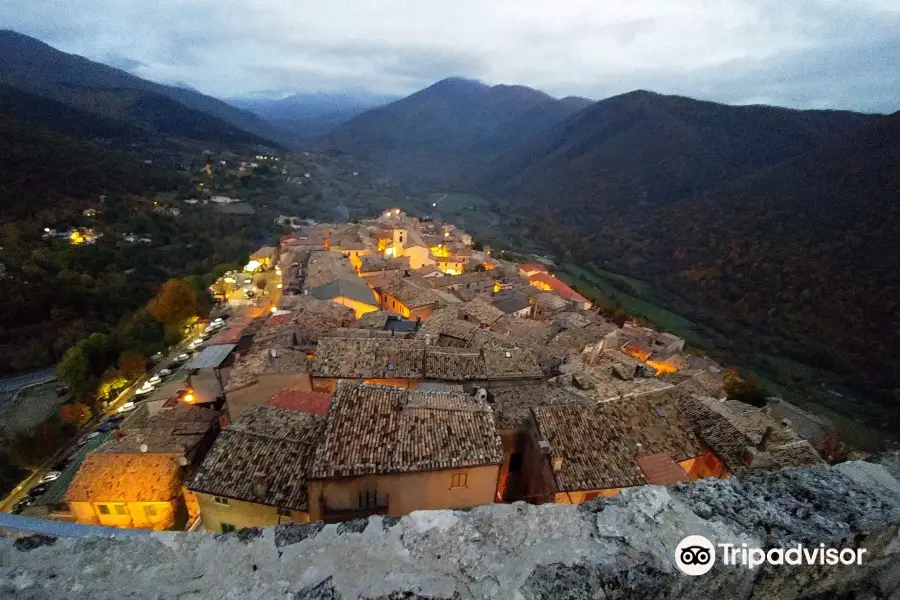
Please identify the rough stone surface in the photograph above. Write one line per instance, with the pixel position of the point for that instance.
(611, 548)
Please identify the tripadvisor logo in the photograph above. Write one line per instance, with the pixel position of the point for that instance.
(696, 555)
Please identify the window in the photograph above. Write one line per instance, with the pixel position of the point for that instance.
(220, 500)
(120, 509)
(104, 509)
(283, 512)
(227, 527)
(368, 499)
(515, 462)
(458, 480)
(150, 510)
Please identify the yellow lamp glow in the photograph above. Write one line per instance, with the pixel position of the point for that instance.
(253, 265)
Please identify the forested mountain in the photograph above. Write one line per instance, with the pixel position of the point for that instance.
(32, 66)
(799, 259)
(640, 149)
(41, 169)
(441, 132)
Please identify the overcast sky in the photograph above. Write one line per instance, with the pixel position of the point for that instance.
(800, 53)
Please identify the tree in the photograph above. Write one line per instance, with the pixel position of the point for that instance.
(112, 381)
(174, 304)
(75, 413)
(142, 332)
(132, 365)
(261, 284)
(745, 389)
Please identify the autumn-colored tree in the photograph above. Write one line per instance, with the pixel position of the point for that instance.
(745, 389)
(132, 365)
(174, 304)
(112, 381)
(76, 414)
(261, 283)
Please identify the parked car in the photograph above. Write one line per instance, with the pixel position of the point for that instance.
(51, 476)
(181, 357)
(85, 439)
(164, 372)
(127, 407)
(38, 490)
(116, 419)
(154, 380)
(109, 425)
(22, 504)
(157, 357)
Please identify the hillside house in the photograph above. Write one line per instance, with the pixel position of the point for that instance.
(255, 474)
(577, 452)
(352, 293)
(393, 451)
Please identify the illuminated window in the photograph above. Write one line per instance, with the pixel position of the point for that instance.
(120, 509)
(283, 512)
(227, 527)
(150, 510)
(104, 509)
(220, 500)
(458, 480)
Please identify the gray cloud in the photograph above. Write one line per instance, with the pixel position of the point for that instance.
(802, 53)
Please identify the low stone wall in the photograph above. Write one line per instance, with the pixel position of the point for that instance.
(614, 548)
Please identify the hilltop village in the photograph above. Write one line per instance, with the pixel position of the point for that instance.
(388, 366)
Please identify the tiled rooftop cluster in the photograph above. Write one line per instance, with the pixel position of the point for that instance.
(397, 358)
(377, 429)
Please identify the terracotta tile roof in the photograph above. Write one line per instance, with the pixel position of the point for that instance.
(526, 332)
(131, 477)
(660, 469)
(532, 268)
(511, 363)
(326, 266)
(480, 280)
(372, 263)
(550, 302)
(372, 320)
(299, 400)
(513, 404)
(410, 294)
(377, 429)
(454, 364)
(173, 440)
(599, 443)
(481, 311)
(371, 358)
(309, 319)
(258, 361)
(731, 429)
(265, 252)
(574, 340)
(262, 457)
(445, 323)
(557, 286)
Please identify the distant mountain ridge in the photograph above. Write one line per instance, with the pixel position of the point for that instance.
(38, 68)
(442, 130)
(645, 148)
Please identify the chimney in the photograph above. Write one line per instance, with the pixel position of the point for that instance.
(260, 486)
(766, 436)
(427, 339)
(544, 445)
(557, 463)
